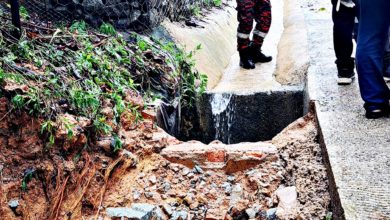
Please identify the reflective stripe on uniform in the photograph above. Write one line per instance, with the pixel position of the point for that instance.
(243, 36)
(259, 33)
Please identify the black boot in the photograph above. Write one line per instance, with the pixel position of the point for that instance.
(345, 69)
(258, 56)
(246, 59)
(374, 111)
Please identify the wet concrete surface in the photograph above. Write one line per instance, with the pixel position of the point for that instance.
(358, 148)
(253, 117)
(258, 107)
(240, 81)
(216, 34)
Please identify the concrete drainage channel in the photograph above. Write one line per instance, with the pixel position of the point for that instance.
(235, 118)
(281, 173)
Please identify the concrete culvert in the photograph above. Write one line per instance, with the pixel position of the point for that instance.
(241, 105)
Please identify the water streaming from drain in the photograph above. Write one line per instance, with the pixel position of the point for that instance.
(223, 113)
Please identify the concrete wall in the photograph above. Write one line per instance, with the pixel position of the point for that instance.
(293, 55)
(250, 118)
(217, 37)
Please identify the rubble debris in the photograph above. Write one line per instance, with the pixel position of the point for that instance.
(137, 212)
(287, 202)
(13, 203)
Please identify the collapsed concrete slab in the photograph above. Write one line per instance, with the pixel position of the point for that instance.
(216, 155)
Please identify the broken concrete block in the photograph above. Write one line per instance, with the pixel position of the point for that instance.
(287, 202)
(230, 158)
(139, 211)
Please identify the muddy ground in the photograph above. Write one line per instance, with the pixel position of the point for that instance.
(68, 182)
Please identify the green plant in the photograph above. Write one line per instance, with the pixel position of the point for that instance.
(212, 3)
(207, 3)
(108, 29)
(119, 106)
(79, 26)
(2, 75)
(195, 10)
(143, 45)
(116, 143)
(190, 78)
(18, 101)
(101, 126)
(69, 127)
(217, 3)
(33, 101)
(203, 84)
(136, 112)
(49, 128)
(28, 175)
(80, 74)
(9, 57)
(24, 13)
(22, 50)
(87, 102)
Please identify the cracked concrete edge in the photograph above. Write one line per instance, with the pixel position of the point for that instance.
(336, 204)
(293, 55)
(293, 69)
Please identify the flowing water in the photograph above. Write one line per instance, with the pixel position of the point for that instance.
(223, 115)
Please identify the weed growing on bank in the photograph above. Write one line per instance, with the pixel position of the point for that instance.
(80, 71)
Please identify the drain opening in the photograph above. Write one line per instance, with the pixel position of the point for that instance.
(272, 117)
(234, 118)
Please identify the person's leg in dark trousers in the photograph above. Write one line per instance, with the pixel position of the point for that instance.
(386, 60)
(263, 18)
(245, 16)
(386, 66)
(344, 24)
(373, 27)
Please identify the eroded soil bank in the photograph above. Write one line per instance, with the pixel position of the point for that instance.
(138, 183)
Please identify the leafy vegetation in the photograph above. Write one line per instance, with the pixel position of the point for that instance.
(28, 176)
(79, 27)
(108, 29)
(214, 3)
(197, 7)
(24, 13)
(116, 143)
(77, 69)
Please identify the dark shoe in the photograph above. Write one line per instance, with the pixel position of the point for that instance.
(346, 73)
(258, 56)
(246, 61)
(377, 111)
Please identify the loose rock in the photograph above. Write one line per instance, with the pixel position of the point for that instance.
(287, 202)
(271, 214)
(153, 179)
(13, 203)
(137, 211)
(167, 209)
(197, 169)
